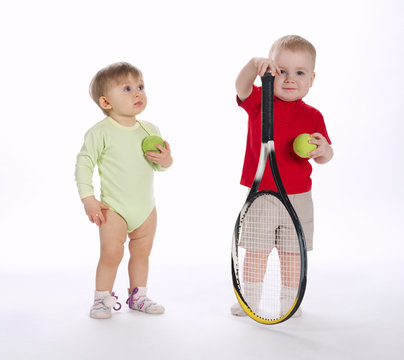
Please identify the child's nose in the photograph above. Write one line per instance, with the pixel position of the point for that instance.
(290, 77)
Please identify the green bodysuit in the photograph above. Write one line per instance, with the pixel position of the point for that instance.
(125, 173)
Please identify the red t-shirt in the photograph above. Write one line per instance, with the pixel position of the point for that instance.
(290, 120)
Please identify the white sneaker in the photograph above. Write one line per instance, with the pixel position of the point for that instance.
(287, 299)
(252, 294)
(103, 303)
(237, 310)
(298, 313)
(139, 301)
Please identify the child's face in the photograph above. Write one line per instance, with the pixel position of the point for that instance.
(297, 74)
(125, 98)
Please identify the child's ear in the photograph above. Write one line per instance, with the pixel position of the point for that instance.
(105, 105)
(312, 78)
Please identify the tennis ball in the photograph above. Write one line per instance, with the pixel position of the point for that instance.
(149, 143)
(301, 145)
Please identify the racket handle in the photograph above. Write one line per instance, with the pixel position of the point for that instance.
(267, 131)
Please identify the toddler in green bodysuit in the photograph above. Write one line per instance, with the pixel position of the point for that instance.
(127, 205)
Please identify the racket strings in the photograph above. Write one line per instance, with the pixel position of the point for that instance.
(269, 258)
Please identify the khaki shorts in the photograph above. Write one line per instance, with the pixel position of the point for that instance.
(263, 231)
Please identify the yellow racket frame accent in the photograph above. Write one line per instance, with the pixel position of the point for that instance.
(253, 316)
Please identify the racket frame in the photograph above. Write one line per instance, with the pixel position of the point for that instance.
(268, 152)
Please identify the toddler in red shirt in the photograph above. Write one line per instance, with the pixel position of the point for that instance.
(291, 60)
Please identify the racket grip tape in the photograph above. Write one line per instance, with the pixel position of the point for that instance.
(267, 131)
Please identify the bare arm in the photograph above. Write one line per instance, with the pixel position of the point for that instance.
(245, 79)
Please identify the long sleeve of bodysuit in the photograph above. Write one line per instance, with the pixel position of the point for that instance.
(87, 159)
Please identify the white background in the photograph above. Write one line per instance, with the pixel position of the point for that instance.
(190, 54)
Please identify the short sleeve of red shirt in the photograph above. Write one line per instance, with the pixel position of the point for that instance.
(290, 120)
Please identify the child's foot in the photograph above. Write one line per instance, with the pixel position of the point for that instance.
(237, 310)
(103, 302)
(298, 313)
(138, 300)
(287, 299)
(286, 307)
(252, 293)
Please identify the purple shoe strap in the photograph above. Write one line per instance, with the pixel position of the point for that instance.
(117, 303)
(130, 298)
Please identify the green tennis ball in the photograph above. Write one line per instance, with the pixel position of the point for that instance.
(149, 143)
(301, 145)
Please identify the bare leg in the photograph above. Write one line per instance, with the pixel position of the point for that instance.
(255, 265)
(254, 269)
(112, 238)
(290, 269)
(140, 245)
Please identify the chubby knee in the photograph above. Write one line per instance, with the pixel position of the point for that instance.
(111, 255)
(141, 245)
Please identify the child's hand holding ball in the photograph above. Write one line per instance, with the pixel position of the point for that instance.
(149, 143)
(317, 149)
(302, 147)
(157, 151)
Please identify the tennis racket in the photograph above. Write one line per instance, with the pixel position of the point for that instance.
(269, 256)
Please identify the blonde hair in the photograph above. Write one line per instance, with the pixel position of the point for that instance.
(112, 73)
(293, 43)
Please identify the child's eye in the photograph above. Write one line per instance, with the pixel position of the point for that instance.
(283, 72)
(300, 73)
(127, 89)
(140, 87)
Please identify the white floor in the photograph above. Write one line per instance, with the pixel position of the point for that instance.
(348, 314)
